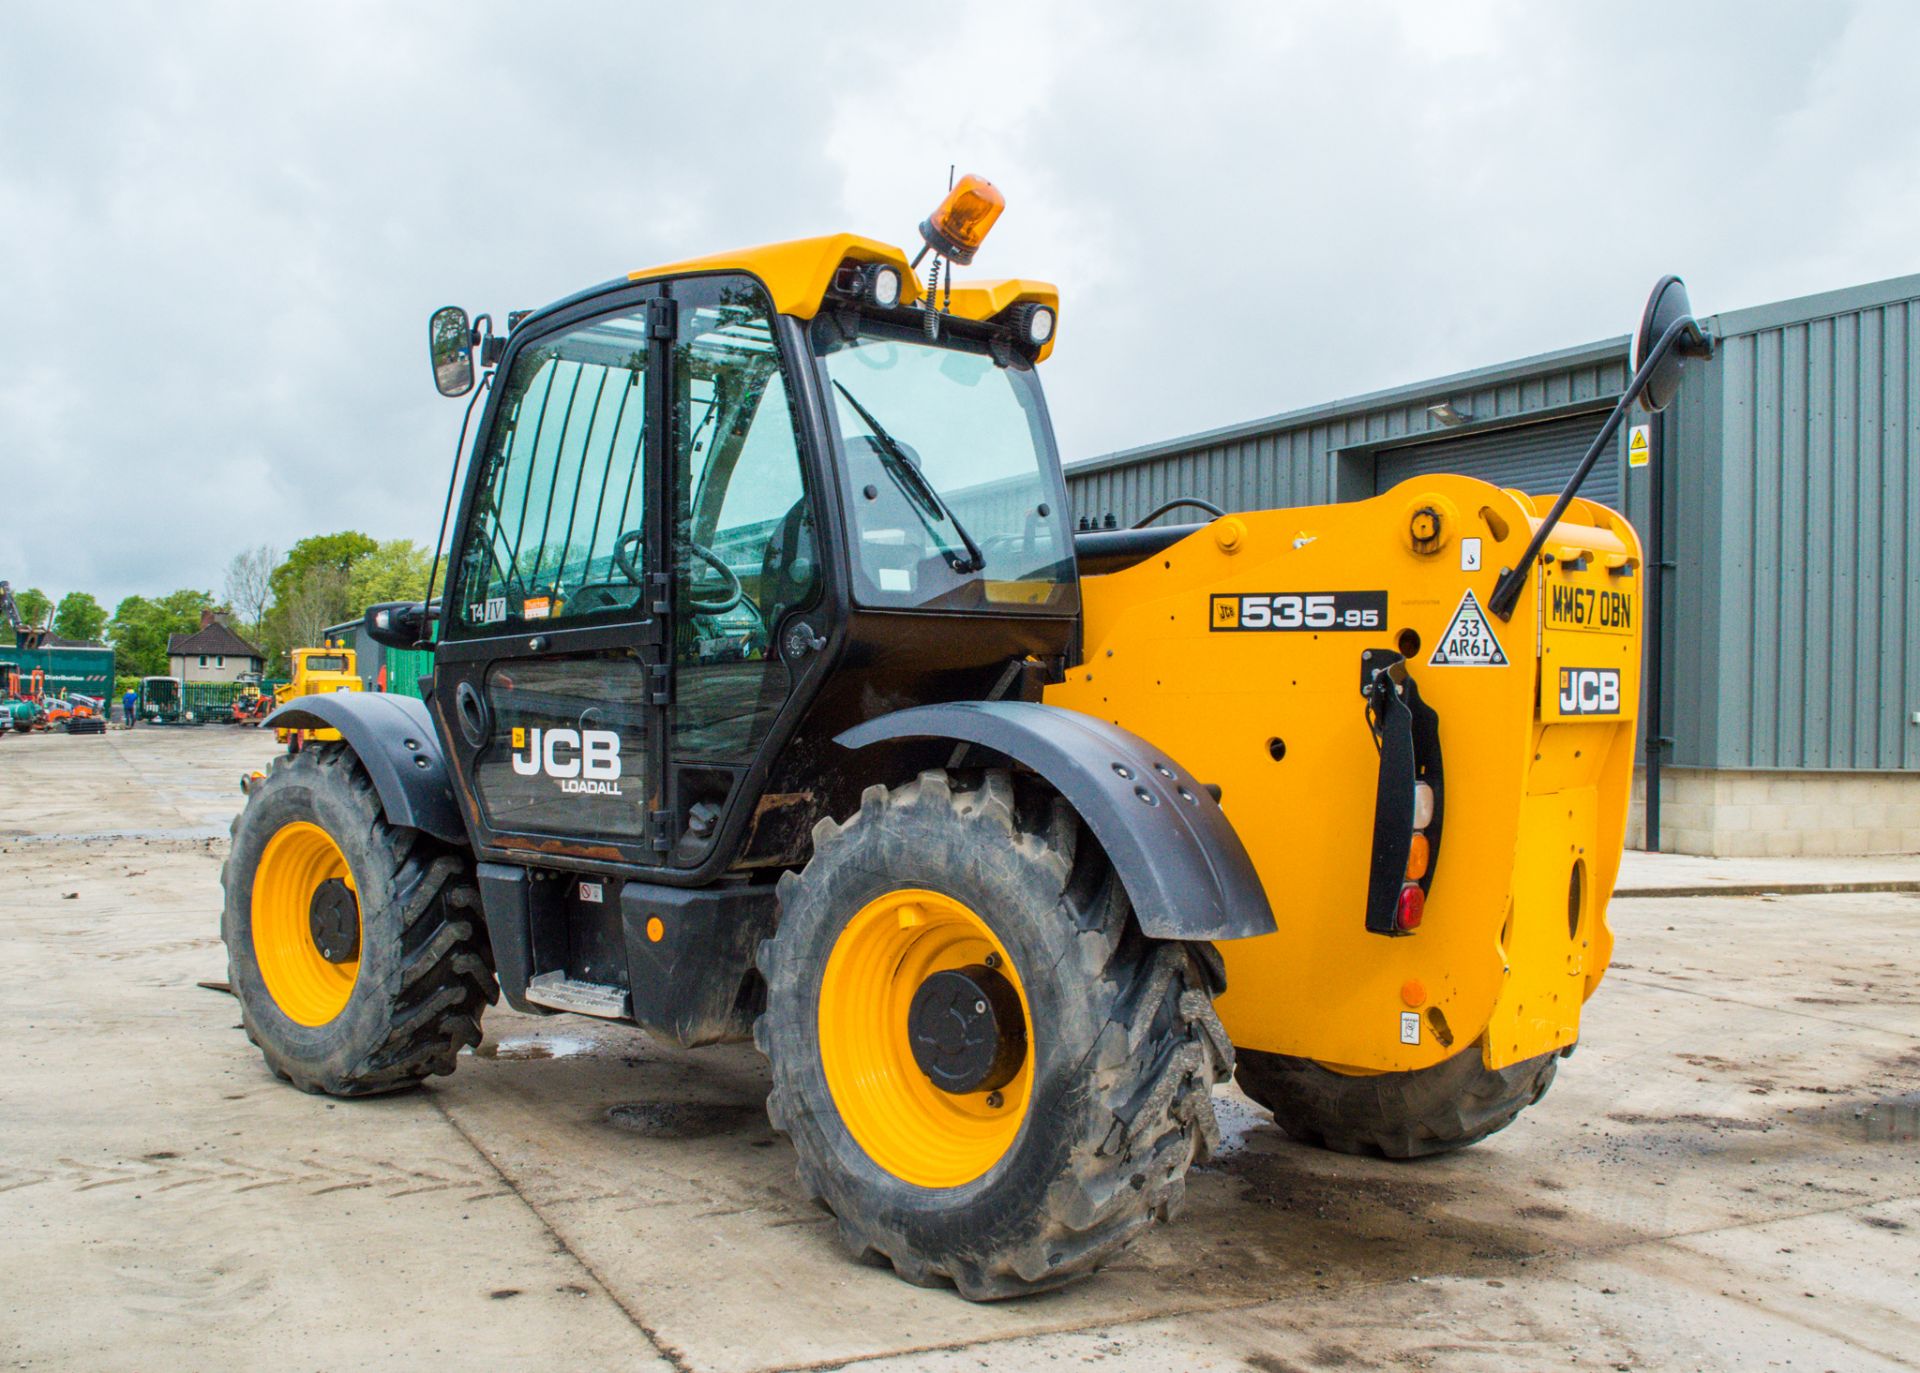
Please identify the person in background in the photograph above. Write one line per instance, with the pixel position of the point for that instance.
(130, 706)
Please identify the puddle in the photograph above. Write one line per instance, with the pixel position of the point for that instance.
(521, 1047)
(684, 1119)
(1890, 1120)
(1333, 1218)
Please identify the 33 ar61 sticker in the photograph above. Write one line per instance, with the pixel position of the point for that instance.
(1301, 611)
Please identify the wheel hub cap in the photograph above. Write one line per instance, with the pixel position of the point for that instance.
(966, 1029)
(333, 919)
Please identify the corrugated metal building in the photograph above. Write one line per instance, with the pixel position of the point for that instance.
(1790, 462)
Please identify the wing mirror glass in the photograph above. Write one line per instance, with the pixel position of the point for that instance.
(450, 344)
(1666, 307)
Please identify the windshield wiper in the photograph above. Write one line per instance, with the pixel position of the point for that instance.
(920, 492)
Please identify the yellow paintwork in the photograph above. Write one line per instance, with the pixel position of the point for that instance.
(1527, 791)
(906, 1125)
(306, 682)
(303, 984)
(797, 274)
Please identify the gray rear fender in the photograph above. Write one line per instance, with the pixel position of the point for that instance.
(394, 739)
(1183, 866)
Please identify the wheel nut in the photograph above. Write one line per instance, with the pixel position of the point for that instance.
(979, 1008)
(994, 1099)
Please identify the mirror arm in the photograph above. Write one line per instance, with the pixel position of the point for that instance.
(446, 508)
(1506, 592)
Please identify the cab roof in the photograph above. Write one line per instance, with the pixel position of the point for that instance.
(798, 273)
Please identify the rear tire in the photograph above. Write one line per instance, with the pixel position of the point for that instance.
(413, 996)
(1117, 1075)
(1394, 1115)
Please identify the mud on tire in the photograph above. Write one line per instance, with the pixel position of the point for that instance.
(1394, 1115)
(425, 972)
(1126, 1046)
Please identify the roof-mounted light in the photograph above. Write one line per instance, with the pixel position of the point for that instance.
(959, 226)
(873, 283)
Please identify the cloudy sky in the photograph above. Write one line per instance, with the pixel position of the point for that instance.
(222, 227)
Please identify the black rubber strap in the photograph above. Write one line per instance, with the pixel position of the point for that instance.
(1391, 721)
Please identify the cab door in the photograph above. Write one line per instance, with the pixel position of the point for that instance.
(746, 552)
(553, 670)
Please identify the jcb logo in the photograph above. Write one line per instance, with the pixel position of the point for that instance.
(580, 760)
(1589, 691)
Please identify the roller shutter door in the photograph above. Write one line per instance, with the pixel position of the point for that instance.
(1535, 458)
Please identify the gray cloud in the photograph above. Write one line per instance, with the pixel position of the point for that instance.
(222, 226)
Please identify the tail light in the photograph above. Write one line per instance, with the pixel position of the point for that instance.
(1412, 908)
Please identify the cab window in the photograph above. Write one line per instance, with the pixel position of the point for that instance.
(744, 554)
(556, 530)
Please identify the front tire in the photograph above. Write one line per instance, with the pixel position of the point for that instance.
(1100, 1105)
(1436, 1110)
(352, 944)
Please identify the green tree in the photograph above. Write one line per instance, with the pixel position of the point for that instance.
(33, 604)
(338, 551)
(395, 571)
(140, 628)
(311, 590)
(79, 616)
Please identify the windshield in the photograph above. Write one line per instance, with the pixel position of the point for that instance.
(955, 496)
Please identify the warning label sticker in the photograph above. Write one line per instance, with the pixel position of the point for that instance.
(1638, 449)
(1468, 641)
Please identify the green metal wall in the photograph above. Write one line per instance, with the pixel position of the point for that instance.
(1331, 452)
(1797, 467)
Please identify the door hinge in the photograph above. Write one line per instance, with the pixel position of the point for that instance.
(660, 684)
(662, 585)
(660, 823)
(663, 318)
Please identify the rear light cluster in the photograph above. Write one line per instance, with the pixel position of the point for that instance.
(1412, 905)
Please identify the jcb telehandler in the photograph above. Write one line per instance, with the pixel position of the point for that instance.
(775, 696)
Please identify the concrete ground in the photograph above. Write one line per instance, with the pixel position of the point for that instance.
(1724, 1176)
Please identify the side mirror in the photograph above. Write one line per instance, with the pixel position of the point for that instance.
(1666, 307)
(450, 345)
(1668, 336)
(397, 624)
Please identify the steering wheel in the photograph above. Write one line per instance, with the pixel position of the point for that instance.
(726, 596)
(624, 557)
(717, 601)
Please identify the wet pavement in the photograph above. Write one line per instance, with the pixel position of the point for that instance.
(1725, 1176)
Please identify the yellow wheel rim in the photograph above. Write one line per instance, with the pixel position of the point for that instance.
(307, 987)
(915, 1131)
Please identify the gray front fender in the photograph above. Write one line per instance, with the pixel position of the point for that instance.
(393, 738)
(1184, 867)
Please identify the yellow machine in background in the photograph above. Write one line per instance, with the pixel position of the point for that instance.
(326, 669)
